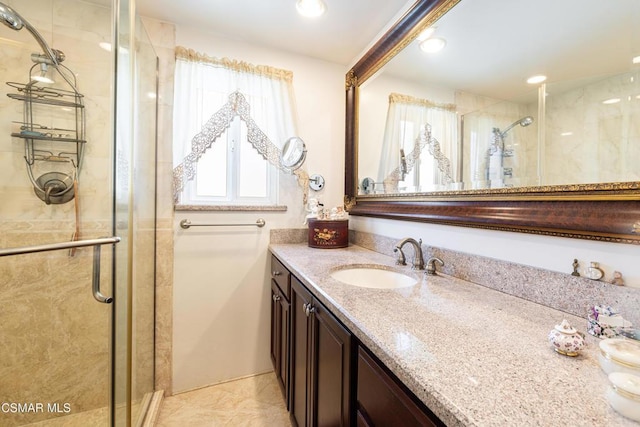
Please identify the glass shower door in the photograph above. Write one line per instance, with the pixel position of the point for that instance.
(65, 351)
(55, 337)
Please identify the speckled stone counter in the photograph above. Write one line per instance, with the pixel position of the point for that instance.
(473, 355)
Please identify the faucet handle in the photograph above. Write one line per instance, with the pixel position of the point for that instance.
(401, 259)
(431, 266)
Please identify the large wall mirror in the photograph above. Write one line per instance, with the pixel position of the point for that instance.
(501, 114)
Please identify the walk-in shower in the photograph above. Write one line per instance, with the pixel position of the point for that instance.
(77, 329)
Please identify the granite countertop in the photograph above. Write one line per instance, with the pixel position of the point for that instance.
(473, 355)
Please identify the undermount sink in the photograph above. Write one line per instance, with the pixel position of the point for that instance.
(373, 277)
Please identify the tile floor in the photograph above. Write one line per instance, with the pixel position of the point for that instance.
(254, 401)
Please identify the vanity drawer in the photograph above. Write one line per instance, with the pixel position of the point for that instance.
(281, 276)
(381, 399)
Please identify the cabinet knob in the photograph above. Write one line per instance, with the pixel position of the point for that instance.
(308, 309)
(276, 273)
(275, 297)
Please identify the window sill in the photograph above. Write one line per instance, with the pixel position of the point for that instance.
(231, 208)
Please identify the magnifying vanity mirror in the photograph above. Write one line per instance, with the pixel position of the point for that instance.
(526, 119)
(294, 153)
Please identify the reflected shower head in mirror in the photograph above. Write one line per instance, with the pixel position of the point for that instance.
(13, 20)
(524, 122)
(498, 135)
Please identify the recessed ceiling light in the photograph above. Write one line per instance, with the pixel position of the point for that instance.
(426, 33)
(566, 134)
(611, 101)
(636, 60)
(536, 79)
(433, 45)
(311, 8)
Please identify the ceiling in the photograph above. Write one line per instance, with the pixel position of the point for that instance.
(340, 35)
(493, 46)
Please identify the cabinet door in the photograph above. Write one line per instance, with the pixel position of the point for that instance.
(300, 346)
(331, 369)
(280, 338)
(383, 401)
(275, 327)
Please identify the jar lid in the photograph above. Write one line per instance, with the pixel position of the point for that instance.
(623, 351)
(628, 384)
(565, 327)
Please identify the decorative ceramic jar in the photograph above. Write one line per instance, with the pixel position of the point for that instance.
(620, 355)
(566, 339)
(606, 322)
(624, 394)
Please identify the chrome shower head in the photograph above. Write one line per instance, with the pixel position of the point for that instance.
(10, 17)
(524, 122)
(13, 20)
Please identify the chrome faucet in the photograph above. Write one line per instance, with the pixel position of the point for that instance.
(431, 266)
(418, 260)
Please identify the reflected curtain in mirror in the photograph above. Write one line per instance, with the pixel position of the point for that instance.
(420, 147)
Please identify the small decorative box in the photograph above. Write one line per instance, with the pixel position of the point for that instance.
(328, 234)
(565, 339)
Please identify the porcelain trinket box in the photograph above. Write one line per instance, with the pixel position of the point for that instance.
(566, 339)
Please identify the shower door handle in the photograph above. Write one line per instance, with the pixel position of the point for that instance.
(96, 243)
(95, 282)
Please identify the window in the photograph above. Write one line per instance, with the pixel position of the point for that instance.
(230, 120)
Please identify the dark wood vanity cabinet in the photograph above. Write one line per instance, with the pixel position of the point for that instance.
(329, 379)
(382, 400)
(280, 325)
(320, 363)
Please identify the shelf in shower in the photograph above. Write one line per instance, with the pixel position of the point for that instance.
(47, 138)
(44, 100)
(45, 95)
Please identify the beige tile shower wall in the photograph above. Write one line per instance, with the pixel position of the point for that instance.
(54, 336)
(162, 35)
(78, 29)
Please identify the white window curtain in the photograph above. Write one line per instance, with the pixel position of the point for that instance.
(426, 133)
(204, 85)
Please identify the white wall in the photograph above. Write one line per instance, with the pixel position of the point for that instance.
(221, 275)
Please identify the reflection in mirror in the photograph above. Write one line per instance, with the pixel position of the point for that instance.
(469, 105)
(294, 153)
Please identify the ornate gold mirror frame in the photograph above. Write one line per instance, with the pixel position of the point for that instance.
(605, 212)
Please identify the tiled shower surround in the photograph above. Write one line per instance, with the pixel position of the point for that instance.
(564, 292)
(54, 337)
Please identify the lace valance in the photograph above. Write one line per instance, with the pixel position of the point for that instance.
(411, 100)
(235, 65)
(217, 124)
